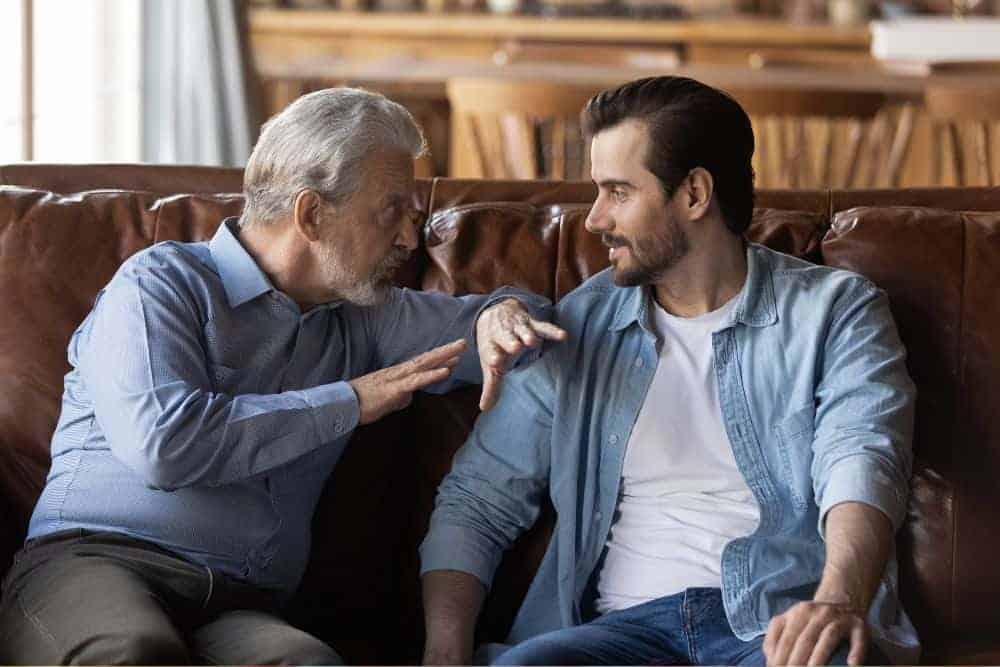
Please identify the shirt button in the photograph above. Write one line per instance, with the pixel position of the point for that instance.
(614, 438)
(638, 362)
(597, 517)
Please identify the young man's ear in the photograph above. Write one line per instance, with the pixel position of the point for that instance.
(306, 213)
(699, 189)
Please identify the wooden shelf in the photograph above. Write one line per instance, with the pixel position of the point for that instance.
(735, 32)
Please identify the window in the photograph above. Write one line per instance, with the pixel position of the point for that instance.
(12, 81)
(81, 71)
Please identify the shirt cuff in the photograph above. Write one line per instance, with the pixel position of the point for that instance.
(538, 307)
(452, 547)
(859, 479)
(335, 409)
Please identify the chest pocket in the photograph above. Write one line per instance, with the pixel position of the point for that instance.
(794, 436)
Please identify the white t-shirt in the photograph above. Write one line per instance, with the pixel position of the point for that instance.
(682, 498)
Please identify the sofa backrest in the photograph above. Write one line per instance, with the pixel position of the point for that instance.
(936, 252)
(161, 179)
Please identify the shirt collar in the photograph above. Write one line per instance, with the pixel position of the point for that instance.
(756, 307)
(634, 308)
(241, 277)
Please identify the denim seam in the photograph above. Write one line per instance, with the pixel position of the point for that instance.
(786, 442)
(689, 630)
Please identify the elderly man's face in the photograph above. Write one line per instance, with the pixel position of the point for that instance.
(635, 220)
(373, 234)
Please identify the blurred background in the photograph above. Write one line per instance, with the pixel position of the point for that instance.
(842, 93)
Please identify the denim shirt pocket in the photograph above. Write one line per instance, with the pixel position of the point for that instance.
(794, 436)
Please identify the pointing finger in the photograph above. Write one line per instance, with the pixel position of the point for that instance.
(548, 330)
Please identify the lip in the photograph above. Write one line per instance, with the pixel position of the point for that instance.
(615, 251)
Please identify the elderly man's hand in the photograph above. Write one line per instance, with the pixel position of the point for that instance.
(392, 388)
(503, 332)
(810, 632)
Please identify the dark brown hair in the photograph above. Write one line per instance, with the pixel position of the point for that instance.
(690, 125)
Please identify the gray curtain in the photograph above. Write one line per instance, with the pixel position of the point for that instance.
(199, 101)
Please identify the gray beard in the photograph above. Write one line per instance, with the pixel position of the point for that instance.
(370, 291)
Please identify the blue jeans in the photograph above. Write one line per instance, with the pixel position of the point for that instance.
(688, 628)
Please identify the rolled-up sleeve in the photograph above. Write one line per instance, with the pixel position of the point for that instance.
(497, 482)
(862, 448)
(147, 372)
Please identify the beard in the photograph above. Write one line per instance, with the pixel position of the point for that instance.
(370, 290)
(652, 256)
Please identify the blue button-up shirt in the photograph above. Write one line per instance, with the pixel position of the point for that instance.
(816, 401)
(204, 411)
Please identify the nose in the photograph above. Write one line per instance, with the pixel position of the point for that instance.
(597, 222)
(407, 236)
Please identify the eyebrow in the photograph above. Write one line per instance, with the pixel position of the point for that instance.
(396, 198)
(614, 183)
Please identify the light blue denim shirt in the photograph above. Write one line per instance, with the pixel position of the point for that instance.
(204, 412)
(816, 401)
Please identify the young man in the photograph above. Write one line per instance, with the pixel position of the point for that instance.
(725, 438)
(214, 387)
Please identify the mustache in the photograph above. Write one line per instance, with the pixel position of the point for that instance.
(393, 261)
(398, 257)
(612, 241)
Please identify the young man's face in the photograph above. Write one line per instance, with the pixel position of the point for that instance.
(636, 221)
(373, 233)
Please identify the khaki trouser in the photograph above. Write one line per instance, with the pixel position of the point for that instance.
(79, 597)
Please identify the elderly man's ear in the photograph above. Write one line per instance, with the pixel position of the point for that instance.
(307, 213)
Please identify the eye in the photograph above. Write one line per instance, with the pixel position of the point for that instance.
(619, 196)
(389, 215)
(415, 216)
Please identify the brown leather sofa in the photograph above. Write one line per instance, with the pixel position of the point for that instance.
(937, 252)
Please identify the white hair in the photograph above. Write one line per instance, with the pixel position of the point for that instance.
(319, 142)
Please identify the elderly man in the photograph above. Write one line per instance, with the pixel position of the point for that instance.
(725, 438)
(215, 385)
